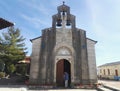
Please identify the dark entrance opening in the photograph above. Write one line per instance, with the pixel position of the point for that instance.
(63, 65)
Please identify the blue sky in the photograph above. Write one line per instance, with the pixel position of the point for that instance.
(100, 19)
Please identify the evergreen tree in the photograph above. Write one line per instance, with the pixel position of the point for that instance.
(12, 47)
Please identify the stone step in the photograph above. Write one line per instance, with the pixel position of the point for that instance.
(65, 90)
(104, 89)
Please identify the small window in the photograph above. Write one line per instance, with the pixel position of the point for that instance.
(108, 71)
(104, 71)
(100, 71)
(116, 72)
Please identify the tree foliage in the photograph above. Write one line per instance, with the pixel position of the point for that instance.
(12, 46)
(2, 74)
(11, 68)
(2, 66)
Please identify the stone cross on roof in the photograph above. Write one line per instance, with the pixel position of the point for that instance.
(63, 2)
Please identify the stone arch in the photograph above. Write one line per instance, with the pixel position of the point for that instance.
(63, 50)
(63, 65)
(58, 46)
(69, 58)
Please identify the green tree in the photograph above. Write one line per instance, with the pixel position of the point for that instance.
(2, 66)
(12, 47)
(11, 68)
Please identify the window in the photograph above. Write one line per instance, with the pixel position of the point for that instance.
(104, 71)
(108, 71)
(116, 72)
(100, 71)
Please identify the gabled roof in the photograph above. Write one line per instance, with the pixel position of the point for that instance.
(92, 40)
(35, 38)
(41, 37)
(110, 64)
(4, 23)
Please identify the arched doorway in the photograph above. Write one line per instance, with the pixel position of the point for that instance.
(63, 65)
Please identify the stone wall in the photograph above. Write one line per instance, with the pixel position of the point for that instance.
(92, 60)
(34, 68)
(81, 59)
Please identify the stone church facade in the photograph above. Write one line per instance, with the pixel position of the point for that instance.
(63, 48)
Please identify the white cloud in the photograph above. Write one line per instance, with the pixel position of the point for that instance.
(37, 5)
(105, 18)
(105, 24)
(35, 21)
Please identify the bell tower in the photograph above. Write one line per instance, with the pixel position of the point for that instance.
(63, 17)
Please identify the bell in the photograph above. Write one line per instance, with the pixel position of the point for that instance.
(63, 13)
(68, 22)
(59, 24)
(59, 21)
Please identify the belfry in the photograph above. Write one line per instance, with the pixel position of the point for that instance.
(63, 48)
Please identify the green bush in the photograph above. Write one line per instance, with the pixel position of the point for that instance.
(11, 68)
(21, 69)
(2, 74)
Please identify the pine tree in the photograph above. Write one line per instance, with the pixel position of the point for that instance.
(12, 47)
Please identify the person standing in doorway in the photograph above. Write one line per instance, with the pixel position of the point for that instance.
(66, 78)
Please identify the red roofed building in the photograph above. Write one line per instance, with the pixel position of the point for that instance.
(4, 23)
(23, 66)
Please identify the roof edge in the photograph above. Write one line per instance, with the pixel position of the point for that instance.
(92, 40)
(35, 38)
(109, 64)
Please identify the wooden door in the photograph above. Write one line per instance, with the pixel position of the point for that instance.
(116, 72)
(59, 73)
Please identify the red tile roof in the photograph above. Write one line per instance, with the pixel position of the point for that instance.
(4, 23)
